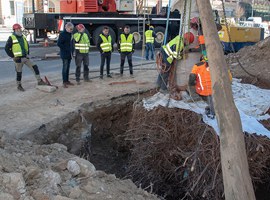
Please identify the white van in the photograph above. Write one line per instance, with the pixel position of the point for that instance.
(256, 20)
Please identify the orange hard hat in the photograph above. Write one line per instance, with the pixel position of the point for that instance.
(189, 37)
(80, 27)
(16, 26)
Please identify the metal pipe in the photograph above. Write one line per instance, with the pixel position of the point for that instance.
(35, 31)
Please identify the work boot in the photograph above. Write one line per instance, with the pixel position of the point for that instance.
(163, 91)
(65, 85)
(20, 88)
(109, 76)
(41, 82)
(69, 83)
(87, 80)
(131, 76)
(100, 76)
(210, 114)
(78, 82)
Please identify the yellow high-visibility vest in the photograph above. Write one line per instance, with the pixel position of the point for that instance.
(16, 47)
(106, 44)
(149, 36)
(173, 54)
(84, 43)
(126, 43)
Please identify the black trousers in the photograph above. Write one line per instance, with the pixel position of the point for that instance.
(105, 56)
(129, 58)
(79, 59)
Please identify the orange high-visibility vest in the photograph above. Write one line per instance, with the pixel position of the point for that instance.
(201, 39)
(203, 78)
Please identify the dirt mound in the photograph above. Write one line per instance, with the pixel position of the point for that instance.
(48, 172)
(178, 156)
(255, 60)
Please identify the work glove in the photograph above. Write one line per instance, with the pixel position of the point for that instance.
(133, 50)
(17, 59)
(119, 50)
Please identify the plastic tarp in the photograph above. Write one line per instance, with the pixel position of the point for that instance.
(251, 102)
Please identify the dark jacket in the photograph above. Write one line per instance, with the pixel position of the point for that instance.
(65, 44)
(8, 47)
(119, 42)
(100, 41)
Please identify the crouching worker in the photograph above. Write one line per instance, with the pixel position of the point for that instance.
(17, 48)
(200, 85)
(201, 79)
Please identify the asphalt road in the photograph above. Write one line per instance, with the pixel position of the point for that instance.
(48, 66)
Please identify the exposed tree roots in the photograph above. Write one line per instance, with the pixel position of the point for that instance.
(175, 154)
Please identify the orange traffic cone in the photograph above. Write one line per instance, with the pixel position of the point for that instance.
(46, 43)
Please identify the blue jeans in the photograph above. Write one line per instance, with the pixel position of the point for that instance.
(65, 69)
(149, 47)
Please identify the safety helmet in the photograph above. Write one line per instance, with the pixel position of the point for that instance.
(151, 27)
(189, 37)
(16, 26)
(80, 27)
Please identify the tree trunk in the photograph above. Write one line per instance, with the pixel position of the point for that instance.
(236, 177)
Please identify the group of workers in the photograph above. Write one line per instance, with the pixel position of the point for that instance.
(80, 46)
(199, 83)
(77, 45)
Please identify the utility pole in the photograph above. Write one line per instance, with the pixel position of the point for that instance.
(252, 8)
(35, 31)
(236, 177)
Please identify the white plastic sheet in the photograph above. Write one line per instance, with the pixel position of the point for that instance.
(251, 102)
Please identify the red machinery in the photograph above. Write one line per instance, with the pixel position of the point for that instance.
(87, 6)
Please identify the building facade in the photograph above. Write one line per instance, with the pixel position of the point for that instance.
(11, 11)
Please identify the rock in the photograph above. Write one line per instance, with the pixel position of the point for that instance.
(40, 195)
(6, 196)
(73, 167)
(28, 198)
(59, 147)
(46, 88)
(58, 197)
(31, 173)
(53, 178)
(87, 168)
(14, 183)
(60, 166)
(75, 193)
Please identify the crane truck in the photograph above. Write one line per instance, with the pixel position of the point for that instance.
(94, 14)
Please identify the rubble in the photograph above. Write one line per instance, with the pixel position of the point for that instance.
(48, 172)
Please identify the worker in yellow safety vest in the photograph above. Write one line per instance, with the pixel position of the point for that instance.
(126, 49)
(105, 47)
(17, 48)
(81, 44)
(171, 51)
(150, 36)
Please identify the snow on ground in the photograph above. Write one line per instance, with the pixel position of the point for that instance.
(251, 101)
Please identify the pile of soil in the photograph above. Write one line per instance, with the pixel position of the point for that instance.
(254, 59)
(29, 171)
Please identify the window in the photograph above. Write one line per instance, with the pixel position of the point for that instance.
(12, 11)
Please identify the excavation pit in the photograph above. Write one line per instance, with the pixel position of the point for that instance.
(157, 149)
